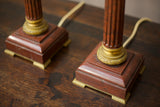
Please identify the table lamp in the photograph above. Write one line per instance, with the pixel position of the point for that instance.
(37, 40)
(110, 68)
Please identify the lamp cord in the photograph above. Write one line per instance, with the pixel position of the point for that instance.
(78, 6)
(139, 22)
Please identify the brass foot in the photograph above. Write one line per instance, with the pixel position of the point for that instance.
(67, 43)
(83, 85)
(78, 83)
(37, 64)
(9, 52)
(122, 101)
(142, 70)
(42, 66)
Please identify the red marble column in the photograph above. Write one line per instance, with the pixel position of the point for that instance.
(113, 23)
(33, 9)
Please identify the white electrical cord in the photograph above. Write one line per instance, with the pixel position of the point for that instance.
(135, 31)
(78, 6)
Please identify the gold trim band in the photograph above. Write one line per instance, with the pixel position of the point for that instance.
(33, 21)
(111, 56)
(35, 27)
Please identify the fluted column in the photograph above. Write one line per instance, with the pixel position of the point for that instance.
(35, 24)
(33, 9)
(113, 23)
(111, 52)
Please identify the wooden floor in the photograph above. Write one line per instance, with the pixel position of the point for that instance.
(23, 85)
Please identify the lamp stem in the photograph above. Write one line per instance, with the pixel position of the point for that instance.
(111, 52)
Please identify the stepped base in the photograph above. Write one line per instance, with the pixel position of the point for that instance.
(116, 81)
(38, 49)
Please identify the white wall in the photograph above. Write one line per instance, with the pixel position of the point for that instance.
(136, 8)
